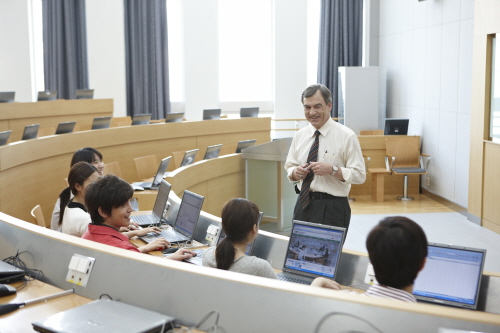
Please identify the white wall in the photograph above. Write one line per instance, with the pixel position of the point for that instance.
(425, 60)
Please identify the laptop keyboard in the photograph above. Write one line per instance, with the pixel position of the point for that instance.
(149, 237)
(292, 279)
(143, 220)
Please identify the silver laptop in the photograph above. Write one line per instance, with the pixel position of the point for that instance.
(245, 144)
(47, 95)
(84, 93)
(249, 112)
(101, 122)
(189, 157)
(176, 117)
(7, 96)
(162, 168)
(159, 208)
(313, 250)
(451, 276)
(185, 223)
(200, 252)
(210, 114)
(105, 315)
(141, 119)
(4, 137)
(212, 152)
(10, 273)
(66, 127)
(30, 132)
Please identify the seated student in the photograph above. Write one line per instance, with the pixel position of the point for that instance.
(239, 222)
(397, 248)
(108, 203)
(89, 155)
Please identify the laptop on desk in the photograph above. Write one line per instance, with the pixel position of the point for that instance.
(10, 273)
(185, 223)
(101, 123)
(313, 250)
(30, 132)
(4, 137)
(159, 208)
(66, 127)
(211, 114)
(451, 276)
(141, 119)
(162, 168)
(176, 117)
(245, 144)
(212, 152)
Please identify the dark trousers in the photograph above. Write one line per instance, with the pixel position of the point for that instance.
(332, 211)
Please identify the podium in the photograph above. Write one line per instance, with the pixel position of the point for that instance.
(266, 181)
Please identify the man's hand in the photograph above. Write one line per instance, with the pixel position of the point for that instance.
(300, 172)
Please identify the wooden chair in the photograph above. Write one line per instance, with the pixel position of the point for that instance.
(37, 213)
(403, 158)
(114, 168)
(372, 132)
(146, 166)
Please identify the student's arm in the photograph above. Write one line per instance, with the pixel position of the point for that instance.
(157, 244)
(142, 232)
(181, 254)
(325, 283)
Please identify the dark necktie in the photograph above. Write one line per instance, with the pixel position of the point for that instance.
(312, 157)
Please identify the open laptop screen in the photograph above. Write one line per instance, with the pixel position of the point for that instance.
(189, 157)
(451, 276)
(66, 127)
(176, 117)
(7, 96)
(249, 112)
(84, 93)
(161, 171)
(30, 132)
(47, 96)
(314, 249)
(209, 114)
(189, 212)
(161, 199)
(141, 119)
(4, 137)
(212, 152)
(101, 122)
(245, 144)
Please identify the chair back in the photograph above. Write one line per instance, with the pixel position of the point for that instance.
(114, 168)
(146, 166)
(37, 213)
(406, 150)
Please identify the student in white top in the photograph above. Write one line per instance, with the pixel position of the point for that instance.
(397, 248)
(239, 222)
(89, 155)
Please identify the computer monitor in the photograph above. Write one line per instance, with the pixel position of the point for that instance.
(245, 144)
(210, 114)
(7, 96)
(189, 157)
(101, 122)
(396, 127)
(249, 112)
(174, 117)
(141, 119)
(212, 152)
(30, 132)
(84, 93)
(66, 127)
(189, 213)
(4, 137)
(451, 276)
(47, 95)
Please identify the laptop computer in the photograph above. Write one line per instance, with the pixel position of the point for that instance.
(10, 273)
(185, 223)
(212, 152)
(84, 93)
(210, 114)
(189, 157)
(158, 177)
(101, 122)
(141, 119)
(4, 137)
(66, 127)
(200, 252)
(7, 96)
(313, 250)
(451, 276)
(47, 95)
(105, 315)
(176, 117)
(30, 132)
(249, 112)
(244, 144)
(159, 208)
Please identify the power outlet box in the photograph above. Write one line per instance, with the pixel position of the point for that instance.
(370, 275)
(80, 268)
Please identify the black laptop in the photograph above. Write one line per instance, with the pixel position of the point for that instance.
(158, 177)
(313, 251)
(66, 127)
(10, 273)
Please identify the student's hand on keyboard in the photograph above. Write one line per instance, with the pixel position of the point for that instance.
(158, 244)
(182, 254)
(325, 283)
(144, 231)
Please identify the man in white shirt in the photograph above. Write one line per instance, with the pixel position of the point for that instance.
(324, 160)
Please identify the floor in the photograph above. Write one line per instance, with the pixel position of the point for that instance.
(442, 222)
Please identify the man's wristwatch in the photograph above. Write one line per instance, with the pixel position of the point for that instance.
(335, 168)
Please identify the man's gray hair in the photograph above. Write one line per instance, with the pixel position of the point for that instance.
(313, 88)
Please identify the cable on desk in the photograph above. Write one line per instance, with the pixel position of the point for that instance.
(331, 314)
(31, 273)
(109, 297)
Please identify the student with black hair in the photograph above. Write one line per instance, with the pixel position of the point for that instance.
(108, 203)
(397, 248)
(239, 222)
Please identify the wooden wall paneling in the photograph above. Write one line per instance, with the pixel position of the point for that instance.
(491, 189)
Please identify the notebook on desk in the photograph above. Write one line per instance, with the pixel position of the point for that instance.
(105, 315)
(10, 273)
(158, 209)
(162, 168)
(451, 276)
(313, 251)
(185, 223)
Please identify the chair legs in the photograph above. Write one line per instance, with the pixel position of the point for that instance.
(405, 196)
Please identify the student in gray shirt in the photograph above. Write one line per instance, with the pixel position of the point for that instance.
(239, 222)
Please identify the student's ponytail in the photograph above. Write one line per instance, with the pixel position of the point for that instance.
(224, 254)
(64, 198)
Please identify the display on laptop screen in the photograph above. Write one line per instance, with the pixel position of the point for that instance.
(245, 144)
(396, 127)
(189, 157)
(451, 276)
(212, 152)
(161, 199)
(314, 249)
(189, 212)
(161, 171)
